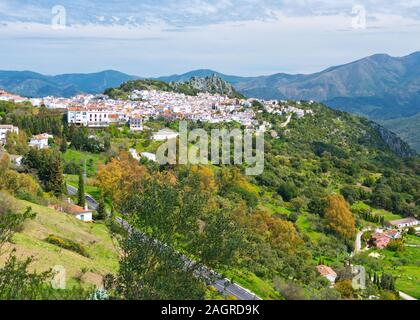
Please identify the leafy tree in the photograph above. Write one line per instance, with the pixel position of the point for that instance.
(318, 206)
(17, 143)
(339, 217)
(396, 245)
(345, 288)
(287, 190)
(171, 216)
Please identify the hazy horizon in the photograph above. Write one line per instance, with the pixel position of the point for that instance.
(244, 38)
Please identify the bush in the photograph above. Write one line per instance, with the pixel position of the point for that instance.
(67, 244)
(396, 245)
(288, 191)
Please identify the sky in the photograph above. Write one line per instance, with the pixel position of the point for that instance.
(240, 37)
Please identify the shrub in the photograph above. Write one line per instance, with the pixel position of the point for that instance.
(67, 244)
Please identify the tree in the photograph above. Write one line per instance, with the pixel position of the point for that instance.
(17, 143)
(339, 217)
(81, 197)
(318, 206)
(63, 145)
(171, 215)
(49, 168)
(396, 245)
(101, 211)
(115, 178)
(287, 190)
(345, 288)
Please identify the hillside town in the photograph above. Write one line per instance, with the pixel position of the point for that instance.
(99, 111)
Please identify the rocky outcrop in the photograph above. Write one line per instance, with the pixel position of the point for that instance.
(395, 143)
(212, 84)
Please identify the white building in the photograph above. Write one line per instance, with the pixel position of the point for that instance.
(83, 214)
(165, 134)
(327, 272)
(40, 141)
(405, 223)
(4, 129)
(136, 123)
(149, 156)
(89, 117)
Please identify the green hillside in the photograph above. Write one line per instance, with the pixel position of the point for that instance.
(102, 251)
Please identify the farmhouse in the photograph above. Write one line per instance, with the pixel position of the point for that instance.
(327, 272)
(404, 223)
(83, 214)
(40, 141)
(381, 239)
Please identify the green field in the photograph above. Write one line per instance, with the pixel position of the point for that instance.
(386, 214)
(304, 225)
(102, 249)
(79, 157)
(405, 266)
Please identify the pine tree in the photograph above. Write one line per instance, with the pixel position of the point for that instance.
(81, 191)
(101, 212)
(63, 146)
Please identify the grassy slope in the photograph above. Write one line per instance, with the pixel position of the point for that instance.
(79, 157)
(95, 237)
(405, 267)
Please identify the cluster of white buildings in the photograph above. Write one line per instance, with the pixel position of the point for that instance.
(6, 96)
(283, 107)
(100, 111)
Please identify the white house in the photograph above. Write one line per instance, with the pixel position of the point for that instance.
(4, 129)
(40, 141)
(405, 223)
(327, 272)
(165, 134)
(83, 214)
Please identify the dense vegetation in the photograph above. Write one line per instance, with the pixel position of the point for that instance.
(326, 176)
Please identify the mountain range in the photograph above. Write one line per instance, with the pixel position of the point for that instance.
(383, 88)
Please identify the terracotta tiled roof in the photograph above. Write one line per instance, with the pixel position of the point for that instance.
(326, 271)
(76, 210)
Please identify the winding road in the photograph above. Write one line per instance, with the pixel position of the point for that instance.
(224, 286)
(358, 241)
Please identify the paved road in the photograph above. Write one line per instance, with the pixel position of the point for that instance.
(92, 203)
(406, 296)
(224, 286)
(284, 125)
(358, 241)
